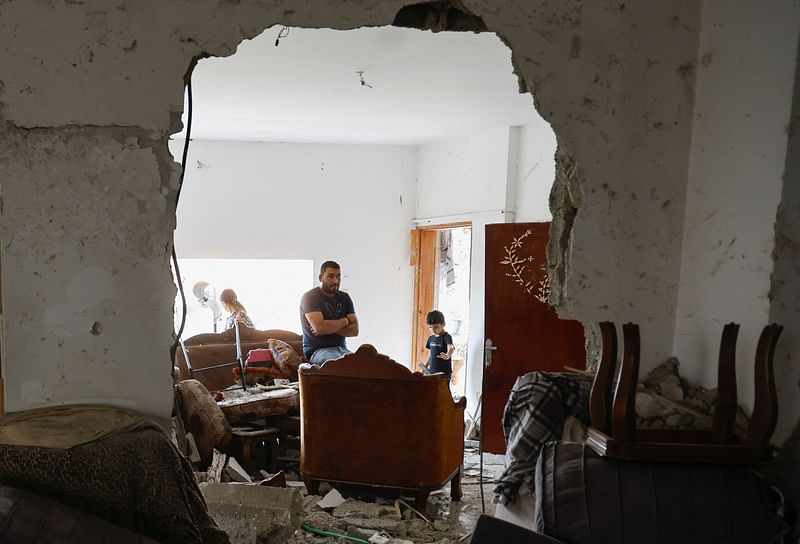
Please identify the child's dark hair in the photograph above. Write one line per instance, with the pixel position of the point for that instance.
(435, 317)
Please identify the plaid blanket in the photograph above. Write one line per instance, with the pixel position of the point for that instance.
(535, 413)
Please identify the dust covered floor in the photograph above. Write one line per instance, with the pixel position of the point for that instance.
(361, 514)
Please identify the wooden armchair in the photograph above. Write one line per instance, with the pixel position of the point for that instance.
(613, 432)
(368, 420)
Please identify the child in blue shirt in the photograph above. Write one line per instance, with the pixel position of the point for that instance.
(441, 345)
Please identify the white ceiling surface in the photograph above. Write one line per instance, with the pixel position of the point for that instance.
(423, 86)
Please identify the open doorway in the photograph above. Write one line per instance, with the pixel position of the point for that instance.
(442, 282)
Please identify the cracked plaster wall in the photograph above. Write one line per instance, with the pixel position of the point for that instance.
(86, 281)
(615, 80)
(784, 287)
(734, 189)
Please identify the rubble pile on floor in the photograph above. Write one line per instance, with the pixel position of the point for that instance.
(259, 514)
(665, 399)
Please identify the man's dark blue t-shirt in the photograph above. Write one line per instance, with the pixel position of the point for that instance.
(437, 345)
(335, 307)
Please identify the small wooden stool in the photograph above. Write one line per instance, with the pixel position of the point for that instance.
(245, 437)
(288, 424)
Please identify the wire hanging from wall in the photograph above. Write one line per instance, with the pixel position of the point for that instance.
(177, 336)
(282, 33)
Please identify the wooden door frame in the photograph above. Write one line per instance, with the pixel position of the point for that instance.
(423, 259)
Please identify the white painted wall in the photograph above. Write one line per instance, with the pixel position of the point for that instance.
(535, 171)
(463, 175)
(85, 302)
(744, 88)
(350, 203)
(464, 179)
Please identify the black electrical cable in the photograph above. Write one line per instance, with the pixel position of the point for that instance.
(188, 136)
(174, 347)
(480, 443)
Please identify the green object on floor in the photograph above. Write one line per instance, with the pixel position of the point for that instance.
(326, 533)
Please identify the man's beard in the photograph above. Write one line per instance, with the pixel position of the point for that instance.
(330, 289)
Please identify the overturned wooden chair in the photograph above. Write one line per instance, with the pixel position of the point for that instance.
(613, 432)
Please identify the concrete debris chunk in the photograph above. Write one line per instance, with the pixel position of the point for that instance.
(676, 421)
(440, 525)
(354, 508)
(376, 524)
(253, 513)
(672, 389)
(309, 501)
(668, 368)
(191, 446)
(358, 532)
(235, 472)
(648, 405)
(214, 473)
(331, 500)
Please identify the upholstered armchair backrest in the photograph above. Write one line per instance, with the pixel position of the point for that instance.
(365, 417)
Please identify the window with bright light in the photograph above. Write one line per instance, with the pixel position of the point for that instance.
(270, 290)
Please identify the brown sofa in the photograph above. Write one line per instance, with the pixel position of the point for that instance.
(368, 420)
(211, 349)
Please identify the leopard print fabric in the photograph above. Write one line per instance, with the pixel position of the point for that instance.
(137, 480)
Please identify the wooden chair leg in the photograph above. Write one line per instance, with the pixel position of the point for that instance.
(765, 405)
(311, 485)
(422, 499)
(600, 397)
(623, 414)
(273, 451)
(246, 452)
(726, 403)
(455, 486)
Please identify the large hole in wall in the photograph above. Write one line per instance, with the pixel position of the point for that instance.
(327, 144)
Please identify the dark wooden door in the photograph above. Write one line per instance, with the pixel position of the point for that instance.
(522, 327)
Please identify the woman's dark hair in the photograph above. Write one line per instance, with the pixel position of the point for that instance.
(228, 296)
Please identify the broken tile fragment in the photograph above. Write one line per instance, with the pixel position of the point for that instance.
(331, 500)
(235, 472)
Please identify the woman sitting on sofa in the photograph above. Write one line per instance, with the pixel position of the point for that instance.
(237, 312)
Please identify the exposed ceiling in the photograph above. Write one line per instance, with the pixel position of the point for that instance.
(370, 85)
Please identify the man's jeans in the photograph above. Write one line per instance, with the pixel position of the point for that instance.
(321, 355)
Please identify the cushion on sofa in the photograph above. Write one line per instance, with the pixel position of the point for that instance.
(203, 418)
(285, 357)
